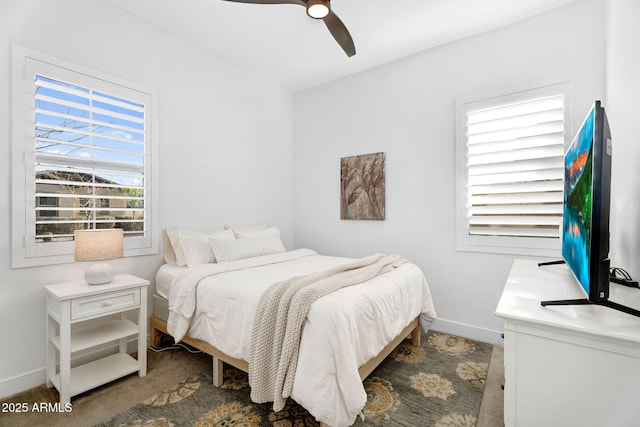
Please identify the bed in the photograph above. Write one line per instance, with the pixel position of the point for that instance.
(345, 335)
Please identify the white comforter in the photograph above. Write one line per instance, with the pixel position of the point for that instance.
(343, 330)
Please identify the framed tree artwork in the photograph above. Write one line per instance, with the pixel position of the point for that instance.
(362, 187)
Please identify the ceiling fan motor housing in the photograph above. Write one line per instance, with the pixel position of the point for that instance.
(318, 9)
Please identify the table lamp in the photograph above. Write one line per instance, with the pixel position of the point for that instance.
(99, 245)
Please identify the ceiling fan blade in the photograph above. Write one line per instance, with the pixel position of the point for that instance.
(300, 2)
(339, 32)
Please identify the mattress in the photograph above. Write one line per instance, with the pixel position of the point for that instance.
(160, 307)
(165, 277)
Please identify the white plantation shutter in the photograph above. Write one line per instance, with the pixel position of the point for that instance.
(83, 159)
(90, 155)
(512, 162)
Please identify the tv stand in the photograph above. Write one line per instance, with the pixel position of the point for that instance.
(577, 365)
(584, 301)
(560, 261)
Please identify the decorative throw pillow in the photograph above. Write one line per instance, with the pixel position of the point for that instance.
(231, 250)
(196, 247)
(244, 233)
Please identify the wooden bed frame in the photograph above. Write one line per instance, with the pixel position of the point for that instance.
(159, 327)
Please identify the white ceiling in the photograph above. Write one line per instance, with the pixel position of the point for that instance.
(283, 45)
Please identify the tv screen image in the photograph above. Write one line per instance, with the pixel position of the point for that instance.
(578, 201)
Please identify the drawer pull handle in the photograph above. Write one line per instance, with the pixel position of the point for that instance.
(108, 303)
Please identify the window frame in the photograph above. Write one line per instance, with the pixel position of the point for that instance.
(513, 245)
(24, 250)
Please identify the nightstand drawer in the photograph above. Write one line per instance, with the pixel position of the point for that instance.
(98, 305)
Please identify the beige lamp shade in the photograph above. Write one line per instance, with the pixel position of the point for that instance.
(99, 245)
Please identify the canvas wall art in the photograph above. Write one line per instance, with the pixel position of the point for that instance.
(362, 187)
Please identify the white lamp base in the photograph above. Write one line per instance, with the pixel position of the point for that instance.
(99, 274)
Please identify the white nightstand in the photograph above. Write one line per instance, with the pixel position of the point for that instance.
(75, 302)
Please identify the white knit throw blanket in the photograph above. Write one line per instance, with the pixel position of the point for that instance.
(280, 314)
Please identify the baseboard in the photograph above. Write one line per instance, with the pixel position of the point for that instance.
(22, 382)
(468, 331)
(37, 377)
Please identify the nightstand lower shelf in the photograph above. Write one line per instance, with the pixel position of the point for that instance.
(92, 336)
(99, 372)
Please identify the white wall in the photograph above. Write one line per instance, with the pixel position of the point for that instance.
(623, 98)
(226, 148)
(407, 109)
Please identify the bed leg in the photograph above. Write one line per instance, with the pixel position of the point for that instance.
(155, 336)
(218, 372)
(415, 336)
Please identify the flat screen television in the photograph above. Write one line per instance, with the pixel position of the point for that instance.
(586, 207)
(587, 195)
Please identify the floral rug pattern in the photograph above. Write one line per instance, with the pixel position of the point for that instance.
(439, 384)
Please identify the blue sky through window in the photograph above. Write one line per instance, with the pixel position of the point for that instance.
(81, 123)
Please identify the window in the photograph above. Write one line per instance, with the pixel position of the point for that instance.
(510, 171)
(83, 142)
(45, 202)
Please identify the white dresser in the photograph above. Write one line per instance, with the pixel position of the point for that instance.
(574, 365)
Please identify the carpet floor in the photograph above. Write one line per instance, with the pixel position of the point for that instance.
(451, 381)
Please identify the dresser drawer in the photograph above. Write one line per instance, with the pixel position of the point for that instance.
(98, 305)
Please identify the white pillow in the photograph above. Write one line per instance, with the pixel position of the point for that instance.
(231, 250)
(246, 227)
(196, 246)
(172, 250)
(243, 233)
(169, 255)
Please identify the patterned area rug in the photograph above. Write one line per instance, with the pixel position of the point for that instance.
(439, 384)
